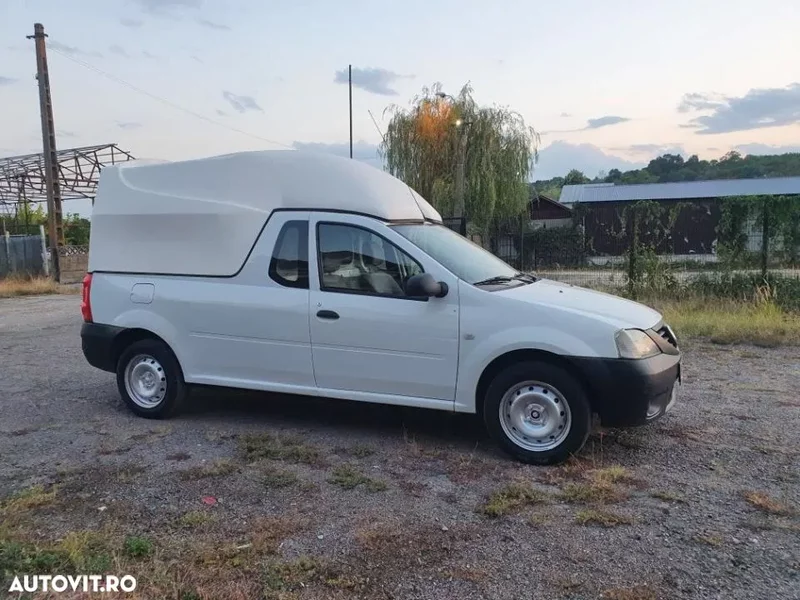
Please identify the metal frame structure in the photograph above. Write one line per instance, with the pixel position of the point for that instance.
(22, 178)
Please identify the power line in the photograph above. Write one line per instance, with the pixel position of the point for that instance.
(164, 101)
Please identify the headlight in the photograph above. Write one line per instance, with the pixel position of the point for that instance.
(635, 343)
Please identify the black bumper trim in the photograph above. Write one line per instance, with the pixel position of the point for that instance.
(97, 343)
(622, 391)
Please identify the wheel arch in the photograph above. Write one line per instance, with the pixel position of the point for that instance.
(520, 355)
(125, 338)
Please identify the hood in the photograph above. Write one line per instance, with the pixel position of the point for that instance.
(617, 311)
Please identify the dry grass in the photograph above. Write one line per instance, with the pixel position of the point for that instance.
(28, 499)
(603, 518)
(730, 322)
(217, 468)
(14, 286)
(195, 519)
(766, 503)
(512, 498)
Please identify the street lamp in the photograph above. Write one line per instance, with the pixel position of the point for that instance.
(461, 156)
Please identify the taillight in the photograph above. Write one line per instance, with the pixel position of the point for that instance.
(86, 303)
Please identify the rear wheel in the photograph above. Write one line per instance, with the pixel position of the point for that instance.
(149, 379)
(537, 412)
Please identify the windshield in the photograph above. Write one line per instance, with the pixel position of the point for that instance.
(464, 259)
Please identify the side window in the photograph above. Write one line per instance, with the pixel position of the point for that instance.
(355, 260)
(289, 264)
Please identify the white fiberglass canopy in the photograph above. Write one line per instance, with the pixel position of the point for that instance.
(202, 217)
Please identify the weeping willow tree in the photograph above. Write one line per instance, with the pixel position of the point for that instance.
(422, 146)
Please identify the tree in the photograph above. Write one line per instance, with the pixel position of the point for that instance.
(421, 147)
(575, 177)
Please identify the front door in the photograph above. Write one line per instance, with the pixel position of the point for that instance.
(366, 334)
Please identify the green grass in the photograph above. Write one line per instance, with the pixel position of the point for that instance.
(137, 547)
(603, 518)
(217, 468)
(254, 446)
(348, 478)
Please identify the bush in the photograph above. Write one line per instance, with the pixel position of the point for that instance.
(783, 291)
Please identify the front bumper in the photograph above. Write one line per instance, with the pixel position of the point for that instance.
(631, 392)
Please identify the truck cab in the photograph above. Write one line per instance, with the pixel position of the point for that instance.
(316, 275)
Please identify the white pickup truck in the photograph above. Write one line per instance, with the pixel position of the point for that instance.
(311, 274)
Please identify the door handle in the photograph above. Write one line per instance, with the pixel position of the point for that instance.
(328, 314)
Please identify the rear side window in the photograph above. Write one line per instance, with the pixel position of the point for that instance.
(289, 264)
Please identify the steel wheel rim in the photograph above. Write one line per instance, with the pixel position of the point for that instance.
(535, 416)
(145, 381)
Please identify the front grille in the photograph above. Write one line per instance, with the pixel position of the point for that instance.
(666, 333)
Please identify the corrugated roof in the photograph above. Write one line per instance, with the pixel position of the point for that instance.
(715, 188)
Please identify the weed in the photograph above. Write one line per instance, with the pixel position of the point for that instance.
(348, 478)
(217, 468)
(14, 286)
(278, 478)
(594, 492)
(29, 499)
(667, 496)
(269, 532)
(602, 518)
(137, 547)
(196, 518)
(511, 498)
(254, 446)
(612, 474)
(361, 451)
(87, 551)
(764, 502)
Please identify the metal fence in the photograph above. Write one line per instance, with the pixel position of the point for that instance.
(23, 255)
(659, 247)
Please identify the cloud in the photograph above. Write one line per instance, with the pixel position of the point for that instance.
(362, 151)
(757, 109)
(118, 50)
(762, 149)
(375, 81)
(128, 124)
(71, 50)
(159, 7)
(241, 103)
(197, 59)
(565, 115)
(605, 121)
(7, 80)
(133, 23)
(648, 151)
(212, 25)
(222, 113)
(147, 54)
(558, 158)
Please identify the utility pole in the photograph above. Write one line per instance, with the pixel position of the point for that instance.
(461, 151)
(54, 214)
(350, 94)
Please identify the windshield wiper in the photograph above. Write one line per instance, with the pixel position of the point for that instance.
(507, 279)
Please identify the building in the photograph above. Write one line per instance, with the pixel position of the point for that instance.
(692, 235)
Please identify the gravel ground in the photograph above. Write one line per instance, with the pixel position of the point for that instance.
(690, 531)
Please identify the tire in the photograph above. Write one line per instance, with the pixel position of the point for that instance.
(547, 415)
(150, 380)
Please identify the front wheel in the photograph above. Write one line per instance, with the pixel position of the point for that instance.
(537, 412)
(149, 379)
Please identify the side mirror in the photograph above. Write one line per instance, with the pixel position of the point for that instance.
(425, 286)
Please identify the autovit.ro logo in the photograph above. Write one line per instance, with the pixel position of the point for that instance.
(73, 583)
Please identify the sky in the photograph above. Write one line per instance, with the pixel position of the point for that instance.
(607, 84)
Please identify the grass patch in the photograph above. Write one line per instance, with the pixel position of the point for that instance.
(766, 503)
(512, 498)
(15, 286)
(667, 496)
(360, 450)
(348, 478)
(592, 493)
(137, 547)
(278, 478)
(602, 518)
(255, 446)
(281, 579)
(29, 499)
(762, 323)
(195, 519)
(217, 468)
